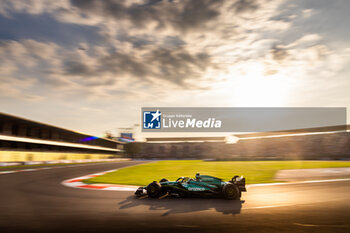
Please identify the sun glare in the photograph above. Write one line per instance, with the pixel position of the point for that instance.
(254, 89)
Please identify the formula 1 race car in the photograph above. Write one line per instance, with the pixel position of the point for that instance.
(202, 185)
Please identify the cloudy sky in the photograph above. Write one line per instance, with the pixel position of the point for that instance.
(90, 65)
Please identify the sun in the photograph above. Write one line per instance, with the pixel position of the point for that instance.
(253, 89)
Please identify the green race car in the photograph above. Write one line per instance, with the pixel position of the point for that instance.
(202, 185)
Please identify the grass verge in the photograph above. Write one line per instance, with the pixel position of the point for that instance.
(254, 171)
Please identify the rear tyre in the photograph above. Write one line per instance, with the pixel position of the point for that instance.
(153, 190)
(231, 192)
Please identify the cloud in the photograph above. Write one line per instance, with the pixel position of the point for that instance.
(181, 15)
(279, 53)
(245, 5)
(181, 44)
(16, 88)
(176, 43)
(32, 6)
(169, 65)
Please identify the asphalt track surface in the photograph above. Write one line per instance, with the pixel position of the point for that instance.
(37, 202)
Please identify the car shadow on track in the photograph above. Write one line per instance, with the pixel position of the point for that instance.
(173, 205)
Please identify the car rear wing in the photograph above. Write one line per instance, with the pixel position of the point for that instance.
(240, 182)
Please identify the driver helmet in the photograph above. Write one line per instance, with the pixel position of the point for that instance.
(198, 176)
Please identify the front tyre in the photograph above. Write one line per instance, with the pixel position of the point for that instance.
(154, 190)
(231, 192)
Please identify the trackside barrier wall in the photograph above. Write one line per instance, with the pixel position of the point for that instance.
(15, 156)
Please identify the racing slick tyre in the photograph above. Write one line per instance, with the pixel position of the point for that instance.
(231, 192)
(154, 190)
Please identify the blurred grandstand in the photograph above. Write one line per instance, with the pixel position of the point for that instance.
(316, 143)
(18, 136)
(26, 140)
